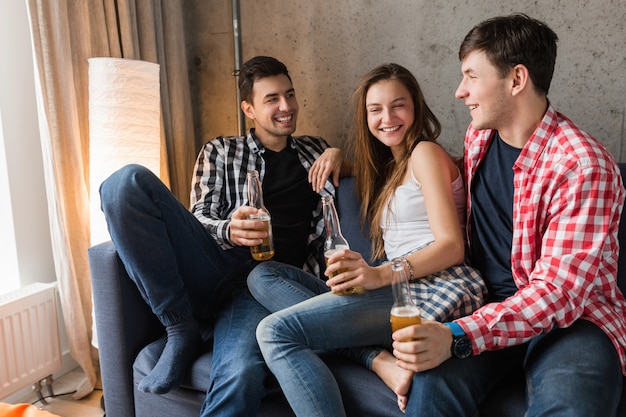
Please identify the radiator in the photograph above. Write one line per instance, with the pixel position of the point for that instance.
(29, 338)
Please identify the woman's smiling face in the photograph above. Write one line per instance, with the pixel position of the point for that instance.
(390, 112)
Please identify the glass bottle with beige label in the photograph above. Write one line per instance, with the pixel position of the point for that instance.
(334, 239)
(404, 312)
(265, 250)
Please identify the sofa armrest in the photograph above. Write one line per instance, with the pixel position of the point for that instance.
(124, 325)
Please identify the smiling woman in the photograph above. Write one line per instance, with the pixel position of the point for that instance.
(414, 199)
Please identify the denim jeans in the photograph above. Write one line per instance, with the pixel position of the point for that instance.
(289, 338)
(180, 272)
(238, 371)
(571, 372)
(276, 285)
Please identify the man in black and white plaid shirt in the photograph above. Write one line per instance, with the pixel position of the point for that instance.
(192, 265)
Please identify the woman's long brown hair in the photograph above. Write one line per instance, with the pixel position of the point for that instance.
(377, 173)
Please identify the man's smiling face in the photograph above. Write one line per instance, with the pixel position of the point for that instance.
(274, 108)
(484, 92)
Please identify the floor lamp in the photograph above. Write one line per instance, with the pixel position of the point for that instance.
(124, 124)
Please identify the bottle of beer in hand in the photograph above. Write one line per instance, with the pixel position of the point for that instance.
(404, 312)
(334, 239)
(265, 250)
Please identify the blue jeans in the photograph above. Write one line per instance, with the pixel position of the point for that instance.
(238, 371)
(569, 372)
(289, 338)
(181, 272)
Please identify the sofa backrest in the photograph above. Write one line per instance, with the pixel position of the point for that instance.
(348, 208)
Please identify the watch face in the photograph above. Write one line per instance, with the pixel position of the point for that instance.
(462, 347)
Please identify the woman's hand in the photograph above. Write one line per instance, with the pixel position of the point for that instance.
(351, 271)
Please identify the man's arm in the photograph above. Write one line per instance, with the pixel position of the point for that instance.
(217, 196)
(209, 202)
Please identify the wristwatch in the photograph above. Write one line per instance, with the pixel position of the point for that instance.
(461, 345)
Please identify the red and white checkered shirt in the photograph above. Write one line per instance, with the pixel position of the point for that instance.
(566, 210)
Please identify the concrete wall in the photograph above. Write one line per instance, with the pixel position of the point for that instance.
(328, 44)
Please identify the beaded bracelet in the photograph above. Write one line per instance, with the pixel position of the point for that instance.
(409, 267)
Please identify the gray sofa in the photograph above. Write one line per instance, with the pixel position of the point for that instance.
(129, 335)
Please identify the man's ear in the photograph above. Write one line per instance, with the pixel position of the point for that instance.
(247, 109)
(520, 78)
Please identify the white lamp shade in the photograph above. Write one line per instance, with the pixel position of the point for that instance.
(124, 124)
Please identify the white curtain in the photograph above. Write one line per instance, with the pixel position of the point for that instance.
(66, 33)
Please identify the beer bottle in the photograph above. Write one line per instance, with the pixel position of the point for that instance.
(265, 250)
(404, 312)
(334, 239)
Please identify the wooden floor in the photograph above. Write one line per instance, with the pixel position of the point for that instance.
(64, 405)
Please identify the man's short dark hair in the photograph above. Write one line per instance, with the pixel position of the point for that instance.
(516, 39)
(255, 69)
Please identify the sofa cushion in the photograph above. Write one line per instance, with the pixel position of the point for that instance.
(353, 380)
(194, 387)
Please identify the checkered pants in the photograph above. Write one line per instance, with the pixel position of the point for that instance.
(452, 293)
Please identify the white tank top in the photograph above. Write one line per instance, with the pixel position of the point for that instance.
(405, 223)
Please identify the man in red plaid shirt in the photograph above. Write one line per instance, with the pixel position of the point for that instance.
(544, 206)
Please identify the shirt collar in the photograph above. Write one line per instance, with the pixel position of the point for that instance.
(531, 152)
(257, 147)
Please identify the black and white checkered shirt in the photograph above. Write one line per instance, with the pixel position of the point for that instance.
(219, 181)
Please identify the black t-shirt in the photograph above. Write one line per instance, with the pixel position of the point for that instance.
(291, 201)
(492, 219)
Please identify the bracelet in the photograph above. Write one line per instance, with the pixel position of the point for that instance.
(409, 267)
